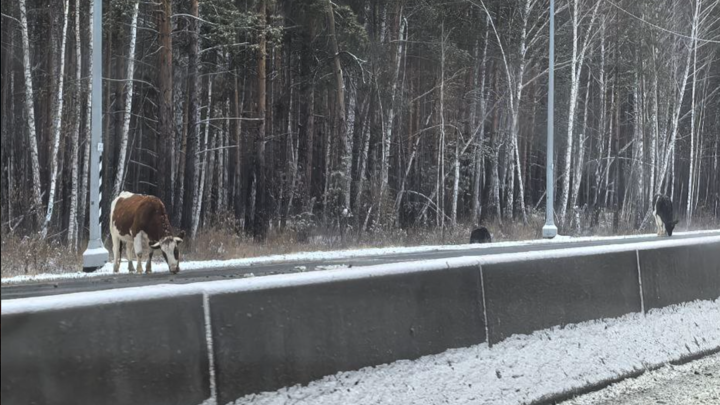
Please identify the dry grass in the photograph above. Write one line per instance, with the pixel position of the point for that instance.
(33, 256)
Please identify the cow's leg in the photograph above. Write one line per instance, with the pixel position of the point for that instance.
(130, 254)
(148, 265)
(138, 244)
(116, 252)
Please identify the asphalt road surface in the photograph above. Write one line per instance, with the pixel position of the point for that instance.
(696, 383)
(122, 280)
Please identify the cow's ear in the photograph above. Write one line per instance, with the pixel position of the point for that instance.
(675, 222)
(156, 245)
(181, 235)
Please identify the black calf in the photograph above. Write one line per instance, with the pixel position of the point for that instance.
(480, 235)
(663, 211)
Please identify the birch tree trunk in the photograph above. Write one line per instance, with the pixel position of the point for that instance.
(655, 136)
(291, 147)
(388, 127)
(691, 171)
(601, 124)
(74, 164)
(260, 220)
(456, 181)
(363, 150)
(441, 150)
(7, 106)
(224, 186)
(494, 200)
(670, 150)
(340, 114)
(192, 175)
(478, 161)
(85, 183)
(580, 154)
(201, 166)
(57, 126)
(348, 144)
(639, 160)
(166, 179)
(515, 108)
(576, 63)
(127, 114)
(237, 192)
(30, 111)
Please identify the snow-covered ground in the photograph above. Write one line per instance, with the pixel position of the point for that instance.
(322, 256)
(523, 368)
(695, 383)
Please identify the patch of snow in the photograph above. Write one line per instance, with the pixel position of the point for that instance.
(332, 267)
(161, 267)
(523, 368)
(82, 299)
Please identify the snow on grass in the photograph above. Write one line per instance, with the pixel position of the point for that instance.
(523, 368)
(161, 267)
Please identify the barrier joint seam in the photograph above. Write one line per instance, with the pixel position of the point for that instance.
(484, 302)
(639, 271)
(210, 347)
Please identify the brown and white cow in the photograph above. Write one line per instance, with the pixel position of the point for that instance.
(140, 221)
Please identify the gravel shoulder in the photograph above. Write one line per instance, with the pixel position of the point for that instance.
(695, 383)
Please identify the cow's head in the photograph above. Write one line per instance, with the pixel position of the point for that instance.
(169, 246)
(670, 226)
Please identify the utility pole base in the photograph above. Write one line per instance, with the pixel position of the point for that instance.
(94, 257)
(549, 231)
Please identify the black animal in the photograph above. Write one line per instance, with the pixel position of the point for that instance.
(663, 211)
(480, 235)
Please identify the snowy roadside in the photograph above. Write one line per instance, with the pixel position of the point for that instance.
(161, 267)
(695, 383)
(524, 368)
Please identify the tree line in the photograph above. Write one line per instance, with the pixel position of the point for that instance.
(360, 114)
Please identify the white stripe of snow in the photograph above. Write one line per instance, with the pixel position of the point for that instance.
(321, 256)
(35, 304)
(523, 368)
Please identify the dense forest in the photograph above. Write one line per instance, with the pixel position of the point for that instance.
(358, 115)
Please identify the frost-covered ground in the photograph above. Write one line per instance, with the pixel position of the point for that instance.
(695, 383)
(523, 368)
(319, 256)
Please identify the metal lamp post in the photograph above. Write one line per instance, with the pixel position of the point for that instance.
(550, 230)
(95, 256)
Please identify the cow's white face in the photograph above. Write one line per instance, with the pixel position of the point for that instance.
(169, 246)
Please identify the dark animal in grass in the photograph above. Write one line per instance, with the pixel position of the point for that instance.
(663, 212)
(480, 235)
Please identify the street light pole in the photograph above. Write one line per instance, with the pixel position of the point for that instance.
(550, 230)
(95, 256)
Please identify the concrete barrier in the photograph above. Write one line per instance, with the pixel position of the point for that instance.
(135, 352)
(530, 295)
(680, 274)
(271, 338)
(221, 340)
